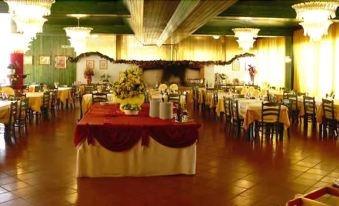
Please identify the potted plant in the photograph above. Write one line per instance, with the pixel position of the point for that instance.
(131, 109)
(88, 75)
(130, 88)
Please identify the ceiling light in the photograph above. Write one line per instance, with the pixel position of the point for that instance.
(246, 37)
(78, 36)
(216, 37)
(315, 17)
(28, 15)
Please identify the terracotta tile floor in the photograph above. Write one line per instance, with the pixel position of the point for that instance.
(39, 170)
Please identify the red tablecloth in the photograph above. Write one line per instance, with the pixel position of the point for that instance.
(118, 132)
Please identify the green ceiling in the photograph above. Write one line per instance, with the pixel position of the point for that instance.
(274, 17)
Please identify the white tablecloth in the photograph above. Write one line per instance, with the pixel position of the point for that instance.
(153, 160)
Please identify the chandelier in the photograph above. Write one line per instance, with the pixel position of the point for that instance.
(29, 15)
(246, 37)
(78, 35)
(315, 17)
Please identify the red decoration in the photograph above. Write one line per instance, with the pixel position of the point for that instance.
(116, 132)
(18, 59)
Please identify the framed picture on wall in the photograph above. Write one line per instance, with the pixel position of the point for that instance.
(103, 64)
(28, 59)
(60, 62)
(90, 64)
(236, 65)
(45, 60)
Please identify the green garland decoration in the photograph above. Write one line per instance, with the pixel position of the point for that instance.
(159, 63)
(88, 54)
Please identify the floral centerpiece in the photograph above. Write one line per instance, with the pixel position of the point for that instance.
(131, 109)
(88, 73)
(130, 88)
(252, 72)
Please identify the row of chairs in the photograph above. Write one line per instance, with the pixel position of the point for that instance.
(329, 121)
(18, 117)
(268, 125)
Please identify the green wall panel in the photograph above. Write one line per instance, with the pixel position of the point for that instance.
(49, 45)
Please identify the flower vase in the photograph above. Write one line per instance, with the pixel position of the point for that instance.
(139, 100)
(252, 80)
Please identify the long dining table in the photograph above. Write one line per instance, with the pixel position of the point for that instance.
(110, 143)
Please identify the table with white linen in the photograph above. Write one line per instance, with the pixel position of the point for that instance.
(251, 111)
(95, 159)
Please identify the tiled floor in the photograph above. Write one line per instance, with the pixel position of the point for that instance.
(39, 170)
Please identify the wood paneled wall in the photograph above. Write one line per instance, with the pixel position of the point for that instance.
(49, 45)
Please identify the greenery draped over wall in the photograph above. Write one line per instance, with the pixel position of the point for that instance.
(49, 45)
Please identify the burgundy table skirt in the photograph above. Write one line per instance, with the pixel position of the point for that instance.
(116, 131)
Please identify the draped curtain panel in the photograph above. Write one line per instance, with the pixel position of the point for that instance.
(316, 64)
(201, 48)
(103, 43)
(270, 56)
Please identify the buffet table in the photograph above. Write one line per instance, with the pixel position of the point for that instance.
(110, 143)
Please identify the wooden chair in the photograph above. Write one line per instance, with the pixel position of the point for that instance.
(9, 126)
(293, 99)
(45, 105)
(309, 111)
(195, 93)
(269, 123)
(54, 102)
(215, 102)
(22, 117)
(329, 120)
(75, 94)
(89, 89)
(228, 111)
(99, 97)
(237, 120)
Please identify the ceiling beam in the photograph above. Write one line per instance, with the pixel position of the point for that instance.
(203, 12)
(183, 10)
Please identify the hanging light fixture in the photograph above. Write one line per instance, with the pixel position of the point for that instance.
(29, 15)
(216, 37)
(315, 17)
(246, 37)
(78, 35)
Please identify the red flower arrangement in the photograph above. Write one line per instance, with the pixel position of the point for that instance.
(252, 72)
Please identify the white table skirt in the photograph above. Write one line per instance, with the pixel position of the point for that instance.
(153, 160)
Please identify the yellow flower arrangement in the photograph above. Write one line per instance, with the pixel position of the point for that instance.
(130, 84)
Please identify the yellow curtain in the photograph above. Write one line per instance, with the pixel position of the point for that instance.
(270, 57)
(201, 48)
(103, 43)
(129, 48)
(316, 64)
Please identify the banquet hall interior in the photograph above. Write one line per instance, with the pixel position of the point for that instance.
(169, 102)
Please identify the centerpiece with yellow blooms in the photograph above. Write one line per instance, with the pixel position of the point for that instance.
(130, 88)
